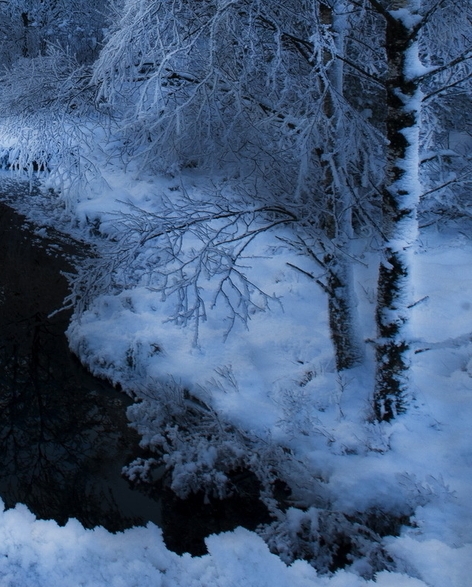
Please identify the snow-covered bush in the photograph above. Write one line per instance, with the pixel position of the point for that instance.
(199, 449)
(329, 540)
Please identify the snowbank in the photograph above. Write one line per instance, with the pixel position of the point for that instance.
(39, 553)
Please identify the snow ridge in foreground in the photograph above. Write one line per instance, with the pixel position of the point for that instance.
(38, 553)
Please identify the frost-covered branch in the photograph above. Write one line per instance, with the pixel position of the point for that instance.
(179, 250)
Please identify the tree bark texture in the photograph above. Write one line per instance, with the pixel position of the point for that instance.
(400, 196)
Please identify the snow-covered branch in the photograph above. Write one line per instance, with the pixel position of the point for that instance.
(177, 251)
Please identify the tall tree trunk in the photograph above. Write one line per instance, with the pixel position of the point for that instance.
(337, 219)
(400, 196)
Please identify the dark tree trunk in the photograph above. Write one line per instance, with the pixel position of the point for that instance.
(400, 196)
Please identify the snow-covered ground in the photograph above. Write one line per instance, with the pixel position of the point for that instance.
(275, 382)
(35, 552)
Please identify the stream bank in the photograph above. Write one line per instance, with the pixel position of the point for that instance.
(64, 435)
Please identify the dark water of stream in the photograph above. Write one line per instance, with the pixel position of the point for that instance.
(64, 435)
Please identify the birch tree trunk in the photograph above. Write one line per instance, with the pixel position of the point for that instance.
(400, 197)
